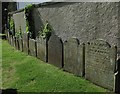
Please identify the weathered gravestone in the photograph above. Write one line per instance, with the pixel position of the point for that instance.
(14, 39)
(100, 64)
(73, 57)
(10, 39)
(42, 49)
(17, 43)
(20, 44)
(25, 43)
(32, 47)
(55, 51)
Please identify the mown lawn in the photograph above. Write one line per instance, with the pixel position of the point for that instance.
(29, 74)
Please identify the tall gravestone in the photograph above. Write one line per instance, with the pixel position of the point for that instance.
(55, 51)
(32, 47)
(100, 62)
(42, 49)
(73, 57)
(25, 43)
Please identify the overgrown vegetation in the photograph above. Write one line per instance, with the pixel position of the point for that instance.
(12, 24)
(18, 34)
(28, 9)
(46, 31)
(29, 74)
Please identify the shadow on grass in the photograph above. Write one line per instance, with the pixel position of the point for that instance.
(9, 91)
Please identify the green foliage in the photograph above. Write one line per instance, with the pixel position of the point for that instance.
(12, 24)
(18, 33)
(27, 26)
(46, 31)
(29, 74)
(28, 10)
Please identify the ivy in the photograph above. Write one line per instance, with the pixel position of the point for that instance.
(12, 24)
(28, 10)
(46, 31)
(19, 33)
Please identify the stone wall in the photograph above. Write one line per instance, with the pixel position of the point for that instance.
(86, 21)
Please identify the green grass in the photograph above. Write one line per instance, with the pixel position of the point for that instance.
(29, 74)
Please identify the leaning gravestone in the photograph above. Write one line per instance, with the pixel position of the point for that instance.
(42, 49)
(100, 60)
(32, 47)
(73, 57)
(25, 43)
(55, 51)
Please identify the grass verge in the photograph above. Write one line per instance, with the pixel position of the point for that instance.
(29, 74)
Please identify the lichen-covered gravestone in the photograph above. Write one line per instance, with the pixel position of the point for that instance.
(32, 47)
(55, 51)
(73, 57)
(25, 43)
(42, 49)
(100, 62)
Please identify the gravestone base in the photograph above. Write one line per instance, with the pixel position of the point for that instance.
(32, 47)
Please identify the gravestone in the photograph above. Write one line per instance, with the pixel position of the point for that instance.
(100, 60)
(20, 44)
(73, 57)
(14, 39)
(10, 39)
(42, 49)
(32, 47)
(55, 51)
(8, 35)
(25, 43)
(17, 43)
(20, 21)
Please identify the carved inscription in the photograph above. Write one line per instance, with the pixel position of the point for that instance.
(100, 63)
